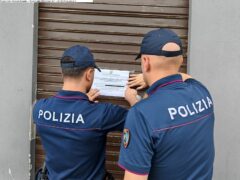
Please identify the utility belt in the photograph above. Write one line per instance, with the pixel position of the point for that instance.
(42, 174)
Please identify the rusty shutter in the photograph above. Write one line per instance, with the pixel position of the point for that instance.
(113, 30)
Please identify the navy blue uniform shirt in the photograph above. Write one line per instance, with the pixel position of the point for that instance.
(73, 133)
(169, 135)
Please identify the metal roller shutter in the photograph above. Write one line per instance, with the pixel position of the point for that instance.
(113, 31)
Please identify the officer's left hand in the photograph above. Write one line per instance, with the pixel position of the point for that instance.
(93, 94)
(136, 80)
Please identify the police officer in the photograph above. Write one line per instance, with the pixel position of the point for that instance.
(168, 135)
(73, 128)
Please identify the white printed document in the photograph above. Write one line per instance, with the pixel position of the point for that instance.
(111, 82)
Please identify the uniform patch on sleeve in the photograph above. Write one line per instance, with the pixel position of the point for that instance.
(126, 137)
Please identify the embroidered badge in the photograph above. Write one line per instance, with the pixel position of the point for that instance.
(126, 137)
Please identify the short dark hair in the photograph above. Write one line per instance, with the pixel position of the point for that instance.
(73, 72)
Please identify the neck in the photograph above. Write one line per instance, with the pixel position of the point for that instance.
(159, 75)
(73, 85)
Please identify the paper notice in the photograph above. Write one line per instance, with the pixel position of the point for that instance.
(111, 82)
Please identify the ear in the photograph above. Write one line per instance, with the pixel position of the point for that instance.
(145, 63)
(90, 74)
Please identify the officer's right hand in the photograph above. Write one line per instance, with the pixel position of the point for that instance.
(93, 94)
(131, 96)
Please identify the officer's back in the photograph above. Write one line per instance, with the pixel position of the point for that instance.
(71, 127)
(169, 135)
(178, 130)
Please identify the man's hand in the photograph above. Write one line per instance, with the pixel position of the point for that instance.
(131, 96)
(185, 76)
(93, 94)
(136, 80)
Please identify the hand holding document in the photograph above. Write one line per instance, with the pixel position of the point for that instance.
(93, 94)
(137, 81)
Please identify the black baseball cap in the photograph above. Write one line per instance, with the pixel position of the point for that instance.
(78, 56)
(154, 41)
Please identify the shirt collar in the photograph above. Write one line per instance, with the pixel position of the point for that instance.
(172, 79)
(74, 95)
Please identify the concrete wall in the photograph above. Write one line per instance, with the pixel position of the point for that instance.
(17, 72)
(214, 59)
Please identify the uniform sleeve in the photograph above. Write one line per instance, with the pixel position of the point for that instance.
(194, 81)
(36, 107)
(137, 146)
(114, 118)
(35, 111)
(199, 85)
